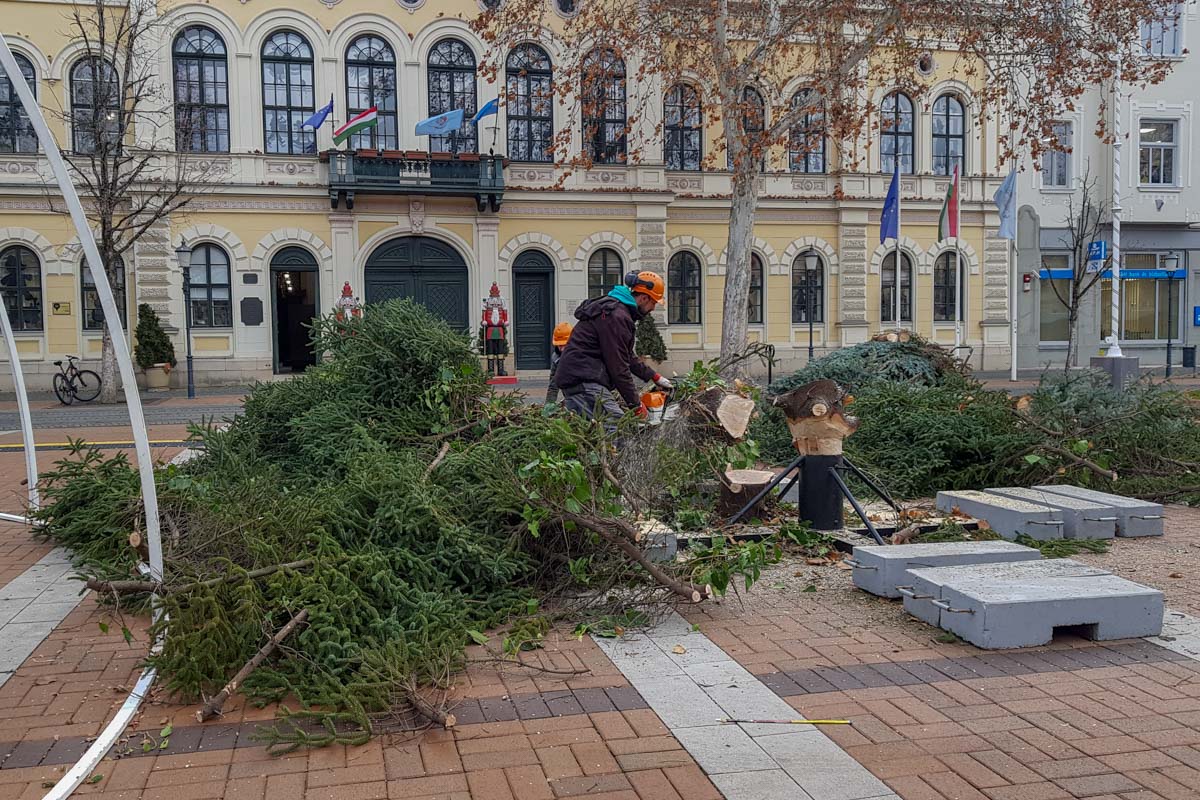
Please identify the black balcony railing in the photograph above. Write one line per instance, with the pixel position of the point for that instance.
(396, 172)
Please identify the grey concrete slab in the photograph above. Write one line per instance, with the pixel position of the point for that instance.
(639, 657)
(1082, 519)
(724, 748)
(18, 640)
(1180, 633)
(997, 606)
(717, 673)
(52, 612)
(816, 763)
(880, 569)
(1008, 517)
(32, 605)
(1135, 517)
(697, 649)
(771, 784)
(679, 702)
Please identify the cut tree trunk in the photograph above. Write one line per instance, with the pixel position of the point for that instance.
(731, 411)
(816, 416)
(739, 487)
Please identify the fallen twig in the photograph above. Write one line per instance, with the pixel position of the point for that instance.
(441, 455)
(213, 707)
(141, 587)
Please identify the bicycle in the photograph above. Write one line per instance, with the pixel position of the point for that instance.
(72, 383)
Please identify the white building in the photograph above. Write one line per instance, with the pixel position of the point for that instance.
(1160, 214)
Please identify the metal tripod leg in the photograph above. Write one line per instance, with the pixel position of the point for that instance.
(858, 509)
(883, 495)
(778, 479)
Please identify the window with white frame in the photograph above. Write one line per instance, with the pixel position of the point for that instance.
(1056, 159)
(1163, 38)
(1158, 152)
(1150, 307)
(1054, 293)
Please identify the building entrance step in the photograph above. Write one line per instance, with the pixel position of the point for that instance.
(1020, 604)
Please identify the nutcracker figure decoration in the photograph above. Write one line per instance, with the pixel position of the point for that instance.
(493, 331)
(347, 306)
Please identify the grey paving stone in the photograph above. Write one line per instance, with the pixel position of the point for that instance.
(562, 704)
(468, 712)
(626, 698)
(772, 784)
(719, 672)
(839, 678)
(698, 649)
(821, 768)
(497, 710)
(781, 684)
(531, 706)
(680, 703)
(594, 701)
(811, 682)
(896, 674)
(724, 748)
(749, 701)
(639, 656)
(11, 606)
(18, 640)
(45, 612)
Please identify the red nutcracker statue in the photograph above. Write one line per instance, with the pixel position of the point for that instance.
(493, 331)
(347, 306)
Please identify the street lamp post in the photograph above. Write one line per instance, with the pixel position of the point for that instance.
(811, 264)
(183, 254)
(1171, 263)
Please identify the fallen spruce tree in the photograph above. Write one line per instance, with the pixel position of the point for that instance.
(927, 425)
(341, 543)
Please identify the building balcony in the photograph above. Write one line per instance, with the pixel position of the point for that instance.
(410, 172)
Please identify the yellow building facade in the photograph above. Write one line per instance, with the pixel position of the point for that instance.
(284, 224)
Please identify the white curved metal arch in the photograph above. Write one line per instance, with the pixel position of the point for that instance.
(137, 419)
(607, 239)
(24, 47)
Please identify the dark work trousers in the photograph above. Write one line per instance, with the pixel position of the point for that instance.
(589, 399)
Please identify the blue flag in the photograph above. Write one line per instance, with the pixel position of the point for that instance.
(441, 124)
(319, 117)
(1006, 200)
(889, 225)
(489, 108)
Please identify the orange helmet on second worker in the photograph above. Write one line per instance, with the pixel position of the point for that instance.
(650, 284)
(562, 332)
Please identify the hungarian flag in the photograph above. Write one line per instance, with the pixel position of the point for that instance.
(948, 220)
(356, 124)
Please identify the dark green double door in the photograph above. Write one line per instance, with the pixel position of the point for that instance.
(423, 269)
(532, 310)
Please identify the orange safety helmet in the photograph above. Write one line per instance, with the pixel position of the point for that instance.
(562, 332)
(650, 284)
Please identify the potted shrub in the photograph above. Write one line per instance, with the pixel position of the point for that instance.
(648, 343)
(153, 352)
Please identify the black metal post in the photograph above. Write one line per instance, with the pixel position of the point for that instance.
(820, 502)
(187, 330)
(858, 509)
(1170, 319)
(808, 293)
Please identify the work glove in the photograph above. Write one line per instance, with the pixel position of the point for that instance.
(663, 383)
(642, 411)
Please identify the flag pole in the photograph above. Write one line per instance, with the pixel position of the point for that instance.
(1013, 257)
(896, 263)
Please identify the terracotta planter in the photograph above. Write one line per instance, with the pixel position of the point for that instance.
(158, 377)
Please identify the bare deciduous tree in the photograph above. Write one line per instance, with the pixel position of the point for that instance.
(1034, 57)
(122, 153)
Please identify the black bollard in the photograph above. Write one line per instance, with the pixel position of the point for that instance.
(820, 497)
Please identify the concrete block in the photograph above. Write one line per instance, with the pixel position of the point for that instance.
(1008, 517)
(1082, 519)
(679, 702)
(822, 769)
(767, 784)
(880, 569)
(723, 748)
(1019, 604)
(1134, 517)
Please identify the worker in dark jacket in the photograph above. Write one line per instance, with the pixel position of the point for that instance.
(599, 357)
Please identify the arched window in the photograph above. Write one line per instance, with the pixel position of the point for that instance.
(93, 314)
(452, 86)
(896, 133)
(21, 285)
(755, 312)
(201, 91)
(288, 95)
(95, 104)
(806, 139)
(945, 288)
(16, 131)
(949, 135)
(683, 289)
(604, 271)
(529, 89)
(371, 82)
(565, 7)
(887, 293)
(211, 302)
(683, 140)
(604, 107)
(808, 288)
(754, 124)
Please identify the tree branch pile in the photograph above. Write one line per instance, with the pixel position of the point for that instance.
(395, 506)
(925, 426)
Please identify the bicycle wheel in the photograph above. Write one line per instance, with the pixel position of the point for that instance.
(62, 389)
(87, 385)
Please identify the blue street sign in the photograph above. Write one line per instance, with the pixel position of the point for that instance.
(1097, 251)
(1196, 316)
